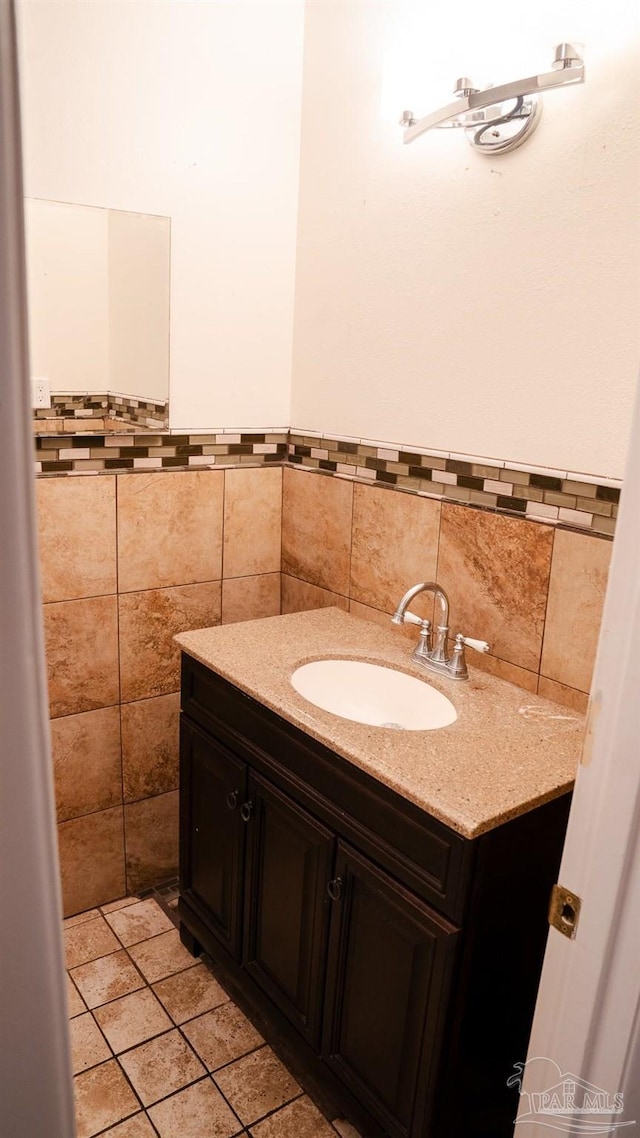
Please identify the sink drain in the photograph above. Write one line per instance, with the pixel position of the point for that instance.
(395, 726)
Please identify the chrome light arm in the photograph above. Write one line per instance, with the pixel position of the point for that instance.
(475, 110)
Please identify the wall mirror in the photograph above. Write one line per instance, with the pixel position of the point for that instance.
(98, 293)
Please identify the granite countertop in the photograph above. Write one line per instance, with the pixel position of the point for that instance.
(507, 752)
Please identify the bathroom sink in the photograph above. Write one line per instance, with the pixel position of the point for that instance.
(373, 694)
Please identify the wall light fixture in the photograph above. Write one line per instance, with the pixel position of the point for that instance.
(491, 124)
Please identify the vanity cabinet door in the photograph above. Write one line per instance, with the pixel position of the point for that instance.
(289, 861)
(389, 965)
(212, 795)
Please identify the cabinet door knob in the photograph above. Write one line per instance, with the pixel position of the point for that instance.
(246, 810)
(232, 799)
(334, 889)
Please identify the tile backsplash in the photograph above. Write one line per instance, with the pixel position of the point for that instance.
(534, 591)
(202, 529)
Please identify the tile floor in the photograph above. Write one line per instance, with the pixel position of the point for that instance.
(159, 1050)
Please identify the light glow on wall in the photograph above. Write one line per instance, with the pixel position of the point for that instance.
(431, 46)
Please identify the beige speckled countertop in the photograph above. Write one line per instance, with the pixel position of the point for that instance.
(507, 752)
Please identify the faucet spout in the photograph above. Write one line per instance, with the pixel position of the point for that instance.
(432, 652)
(424, 587)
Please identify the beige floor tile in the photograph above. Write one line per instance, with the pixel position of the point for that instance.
(77, 532)
(91, 858)
(107, 978)
(301, 1119)
(139, 922)
(256, 1085)
(222, 1035)
(83, 787)
(161, 956)
(197, 1112)
(161, 1066)
(81, 918)
(88, 941)
(150, 746)
(345, 1129)
(190, 993)
(74, 1001)
(151, 834)
(103, 1097)
(132, 1019)
(252, 505)
(113, 906)
(136, 1127)
(82, 654)
(169, 528)
(88, 1045)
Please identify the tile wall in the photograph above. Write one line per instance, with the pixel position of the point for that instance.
(127, 561)
(131, 555)
(533, 590)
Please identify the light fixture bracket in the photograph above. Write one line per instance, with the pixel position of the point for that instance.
(499, 119)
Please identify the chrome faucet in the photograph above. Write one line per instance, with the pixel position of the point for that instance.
(433, 653)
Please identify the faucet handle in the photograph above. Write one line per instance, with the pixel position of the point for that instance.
(407, 617)
(411, 618)
(479, 645)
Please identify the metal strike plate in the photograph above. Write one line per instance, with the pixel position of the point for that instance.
(564, 911)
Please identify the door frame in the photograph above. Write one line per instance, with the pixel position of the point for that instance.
(587, 1016)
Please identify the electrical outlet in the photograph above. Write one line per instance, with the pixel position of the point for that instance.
(40, 393)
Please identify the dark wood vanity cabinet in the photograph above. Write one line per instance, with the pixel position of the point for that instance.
(393, 961)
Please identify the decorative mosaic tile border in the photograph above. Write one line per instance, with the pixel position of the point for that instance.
(576, 501)
(93, 454)
(561, 498)
(81, 409)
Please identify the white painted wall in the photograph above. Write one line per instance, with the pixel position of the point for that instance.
(449, 300)
(189, 110)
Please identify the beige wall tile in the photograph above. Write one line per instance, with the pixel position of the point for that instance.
(149, 659)
(86, 762)
(252, 521)
(169, 528)
(300, 596)
(77, 537)
(249, 598)
(82, 654)
(395, 544)
(579, 575)
(151, 830)
(316, 529)
(91, 859)
(560, 693)
(150, 743)
(410, 632)
(503, 670)
(496, 572)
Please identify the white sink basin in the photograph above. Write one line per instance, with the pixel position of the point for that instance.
(371, 693)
